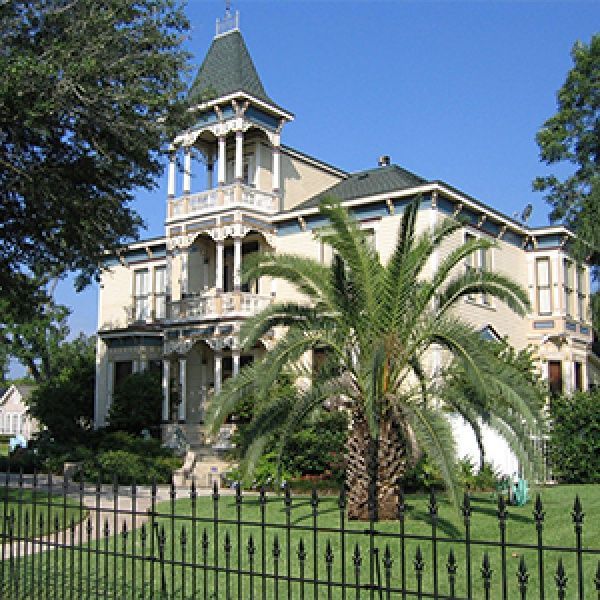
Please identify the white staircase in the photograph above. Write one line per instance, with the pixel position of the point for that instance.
(204, 461)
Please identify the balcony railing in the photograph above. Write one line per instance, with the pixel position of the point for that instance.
(222, 305)
(236, 195)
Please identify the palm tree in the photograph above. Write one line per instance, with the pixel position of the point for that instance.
(379, 326)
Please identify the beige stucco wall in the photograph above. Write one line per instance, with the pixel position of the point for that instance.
(300, 180)
(507, 260)
(115, 297)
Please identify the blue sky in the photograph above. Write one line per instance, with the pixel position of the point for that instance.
(450, 90)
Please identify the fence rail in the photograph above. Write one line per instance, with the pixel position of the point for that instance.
(64, 539)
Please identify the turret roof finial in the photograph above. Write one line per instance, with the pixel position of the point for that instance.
(229, 22)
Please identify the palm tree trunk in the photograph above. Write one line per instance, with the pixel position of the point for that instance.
(375, 469)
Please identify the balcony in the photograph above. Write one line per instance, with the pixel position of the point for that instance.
(225, 305)
(230, 196)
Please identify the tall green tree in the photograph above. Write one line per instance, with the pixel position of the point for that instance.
(64, 401)
(91, 94)
(571, 138)
(35, 341)
(379, 325)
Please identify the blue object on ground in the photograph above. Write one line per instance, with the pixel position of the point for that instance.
(18, 441)
(521, 493)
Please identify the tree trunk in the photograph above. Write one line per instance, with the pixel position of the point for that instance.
(375, 469)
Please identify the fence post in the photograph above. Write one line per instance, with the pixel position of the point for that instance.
(466, 511)
(342, 508)
(419, 567)
(401, 513)
(561, 580)
(538, 515)
(433, 514)
(523, 578)
(215, 499)
(357, 561)
(451, 566)
(486, 574)
(502, 516)
(578, 515)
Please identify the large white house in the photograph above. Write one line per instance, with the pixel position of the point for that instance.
(176, 303)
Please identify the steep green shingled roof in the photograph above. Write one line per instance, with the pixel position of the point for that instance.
(227, 68)
(371, 182)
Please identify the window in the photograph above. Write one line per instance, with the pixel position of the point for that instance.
(555, 379)
(569, 284)
(140, 292)
(160, 288)
(484, 265)
(478, 262)
(470, 262)
(123, 369)
(543, 280)
(581, 312)
(370, 239)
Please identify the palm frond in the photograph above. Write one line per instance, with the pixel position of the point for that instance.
(434, 435)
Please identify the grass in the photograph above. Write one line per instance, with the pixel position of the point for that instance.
(106, 572)
(50, 513)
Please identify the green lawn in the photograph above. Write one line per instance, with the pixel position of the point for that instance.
(23, 507)
(134, 578)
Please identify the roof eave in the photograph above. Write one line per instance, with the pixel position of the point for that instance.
(270, 107)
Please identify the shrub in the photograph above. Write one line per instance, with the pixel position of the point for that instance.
(137, 403)
(319, 448)
(575, 438)
(130, 468)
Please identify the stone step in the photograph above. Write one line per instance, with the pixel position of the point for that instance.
(202, 465)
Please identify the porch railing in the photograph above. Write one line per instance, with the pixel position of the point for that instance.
(224, 304)
(229, 196)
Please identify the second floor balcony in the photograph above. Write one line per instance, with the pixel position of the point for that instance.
(237, 195)
(223, 305)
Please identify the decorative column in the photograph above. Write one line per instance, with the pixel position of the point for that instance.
(276, 168)
(184, 270)
(237, 264)
(222, 160)
(236, 361)
(257, 165)
(166, 378)
(210, 167)
(218, 371)
(171, 184)
(219, 266)
(239, 155)
(183, 387)
(187, 169)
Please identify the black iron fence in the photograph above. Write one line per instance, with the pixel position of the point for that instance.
(67, 540)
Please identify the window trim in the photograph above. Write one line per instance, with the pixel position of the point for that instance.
(539, 288)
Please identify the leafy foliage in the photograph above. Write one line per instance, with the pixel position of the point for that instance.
(316, 449)
(91, 94)
(575, 438)
(35, 340)
(379, 324)
(572, 136)
(64, 402)
(137, 403)
(479, 406)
